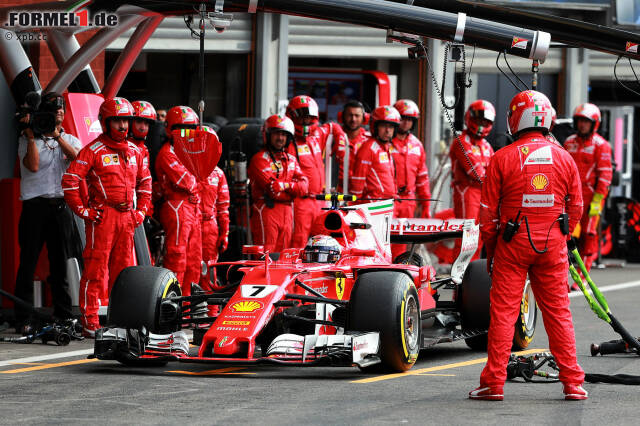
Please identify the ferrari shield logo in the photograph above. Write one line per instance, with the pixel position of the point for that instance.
(525, 150)
(340, 283)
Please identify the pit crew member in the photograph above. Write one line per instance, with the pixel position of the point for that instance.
(353, 120)
(592, 154)
(374, 169)
(276, 180)
(180, 210)
(113, 169)
(470, 155)
(308, 148)
(531, 182)
(214, 208)
(412, 175)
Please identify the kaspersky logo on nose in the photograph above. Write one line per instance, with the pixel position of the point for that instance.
(75, 16)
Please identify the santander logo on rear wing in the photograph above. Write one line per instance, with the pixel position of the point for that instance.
(415, 230)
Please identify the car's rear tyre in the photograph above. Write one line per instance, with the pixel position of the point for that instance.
(136, 295)
(387, 302)
(474, 307)
(526, 323)
(474, 300)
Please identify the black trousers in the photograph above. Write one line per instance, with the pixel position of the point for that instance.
(43, 220)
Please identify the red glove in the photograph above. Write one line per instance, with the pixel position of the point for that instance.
(223, 233)
(425, 211)
(223, 242)
(94, 215)
(138, 217)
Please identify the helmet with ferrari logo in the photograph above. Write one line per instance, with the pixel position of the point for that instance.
(277, 122)
(322, 249)
(478, 114)
(408, 109)
(181, 117)
(299, 108)
(590, 112)
(114, 108)
(384, 114)
(142, 110)
(529, 110)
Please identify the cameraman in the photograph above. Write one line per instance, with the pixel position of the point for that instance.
(44, 157)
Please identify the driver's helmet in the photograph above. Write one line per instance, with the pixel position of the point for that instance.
(322, 249)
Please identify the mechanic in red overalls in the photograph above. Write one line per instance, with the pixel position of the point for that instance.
(144, 115)
(470, 155)
(353, 120)
(374, 174)
(276, 180)
(532, 182)
(214, 207)
(412, 175)
(592, 154)
(180, 210)
(308, 148)
(114, 172)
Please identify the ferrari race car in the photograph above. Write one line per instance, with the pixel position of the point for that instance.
(353, 306)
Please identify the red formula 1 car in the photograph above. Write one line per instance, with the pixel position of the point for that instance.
(342, 303)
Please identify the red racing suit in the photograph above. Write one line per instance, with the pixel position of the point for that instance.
(374, 172)
(276, 180)
(537, 178)
(341, 149)
(412, 180)
(215, 214)
(465, 183)
(308, 151)
(180, 218)
(115, 175)
(593, 158)
(412, 175)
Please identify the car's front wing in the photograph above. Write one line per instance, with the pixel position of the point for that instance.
(361, 349)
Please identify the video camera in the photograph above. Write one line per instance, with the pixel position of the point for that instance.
(41, 112)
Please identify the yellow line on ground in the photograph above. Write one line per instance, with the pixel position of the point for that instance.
(228, 370)
(420, 371)
(436, 374)
(47, 366)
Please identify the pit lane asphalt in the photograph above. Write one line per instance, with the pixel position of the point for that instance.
(70, 389)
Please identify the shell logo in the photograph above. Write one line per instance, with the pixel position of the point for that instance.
(247, 306)
(539, 182)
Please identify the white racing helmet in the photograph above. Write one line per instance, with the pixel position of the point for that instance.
(322, 249)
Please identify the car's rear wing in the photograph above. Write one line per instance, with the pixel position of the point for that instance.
(408, 230)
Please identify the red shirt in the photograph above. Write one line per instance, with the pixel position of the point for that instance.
(479, 153)
(273, 173)
(412, 175)
(175, 181)
(536, 177)
(374, 173)
(593, 158)
(113, 176)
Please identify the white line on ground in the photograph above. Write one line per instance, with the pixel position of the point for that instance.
(46, 357)
(604, 289)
